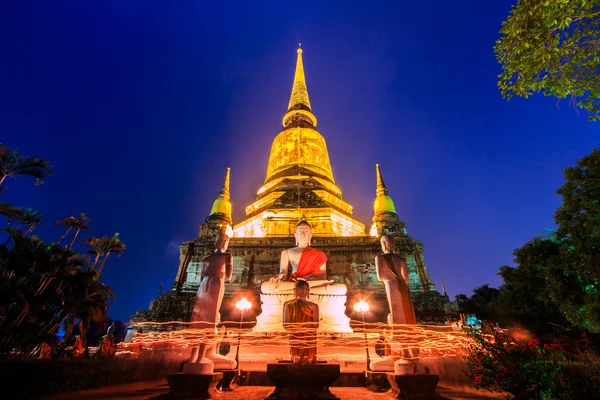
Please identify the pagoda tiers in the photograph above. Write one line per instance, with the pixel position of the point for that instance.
(299, 181)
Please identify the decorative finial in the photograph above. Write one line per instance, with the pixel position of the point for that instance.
(299, 96)
(225, 189)
(383, 202)
(381, 189)
(223, 203)
(300, 48)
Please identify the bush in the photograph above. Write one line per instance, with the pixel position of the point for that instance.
(499, 363)
(31, 378)
(579, 380)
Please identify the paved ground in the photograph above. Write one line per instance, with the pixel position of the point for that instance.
(159, 390)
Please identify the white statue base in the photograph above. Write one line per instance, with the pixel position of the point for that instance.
(332, 316)
(200, 368)
(405, 367)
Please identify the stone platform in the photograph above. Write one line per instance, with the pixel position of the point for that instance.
(345, 349)
(295, 381)
(332, 313)
(193, 386)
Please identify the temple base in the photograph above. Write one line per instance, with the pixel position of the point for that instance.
(195, 386)
(421, 387)
(295, 381)
(332, 313)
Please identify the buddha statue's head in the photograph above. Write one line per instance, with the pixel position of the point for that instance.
(303, 233)
(388, 243)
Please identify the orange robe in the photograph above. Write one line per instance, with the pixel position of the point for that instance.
(310, 262)
(303, 340)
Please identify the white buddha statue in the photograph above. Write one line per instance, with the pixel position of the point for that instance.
(302, 262)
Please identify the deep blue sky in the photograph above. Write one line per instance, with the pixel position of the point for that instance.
(140, 106)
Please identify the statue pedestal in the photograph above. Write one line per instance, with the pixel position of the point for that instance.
(201, 368)
(332, 313)
(295, 381)
(224, 384)
(377, 382)
(420, 387)
(194, 386)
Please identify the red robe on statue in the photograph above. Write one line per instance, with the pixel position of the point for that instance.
(310, 263)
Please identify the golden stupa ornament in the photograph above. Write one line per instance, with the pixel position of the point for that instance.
(223, 203)
(383, 202)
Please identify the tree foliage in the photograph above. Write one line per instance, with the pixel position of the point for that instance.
(45, 285)
(557, 277)
(13, 164)
(578, 217)
(552, 47)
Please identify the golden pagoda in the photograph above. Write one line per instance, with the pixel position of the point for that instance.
(299, 179)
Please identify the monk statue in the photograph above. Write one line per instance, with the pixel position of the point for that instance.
(215, 270)
(302, 262)
(393, 272)
(301, 319)
(106, 346)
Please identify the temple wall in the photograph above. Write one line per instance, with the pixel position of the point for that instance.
(351, 261)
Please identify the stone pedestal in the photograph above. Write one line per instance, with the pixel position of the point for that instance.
(377, 382)
(193, 386)
(201, 368)
(224, 384)
(332, 313)
(420, 387)
(295, 381)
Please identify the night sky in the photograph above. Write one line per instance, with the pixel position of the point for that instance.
(140, 106)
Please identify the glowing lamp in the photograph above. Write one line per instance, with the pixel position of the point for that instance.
(229, 231)
(362, 306)
(243, 305)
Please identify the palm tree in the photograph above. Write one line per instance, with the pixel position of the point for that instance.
(10, 212)
(24, 216)
(30, 218)
(104, 246)
(72, 222)
(13, 164)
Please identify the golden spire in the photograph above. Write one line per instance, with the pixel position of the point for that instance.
(299, 110)
(381, 189)
(299, 95)
(383, 202)
(223, 204)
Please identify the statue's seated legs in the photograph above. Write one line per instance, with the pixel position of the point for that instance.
(332, 311)
(320, 287)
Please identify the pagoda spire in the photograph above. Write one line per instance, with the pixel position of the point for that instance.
(223, 203)
(383, 202)
(299, 112)
(381, 189)
(299, 96)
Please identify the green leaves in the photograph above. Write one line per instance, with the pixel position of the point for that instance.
(552, 47)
